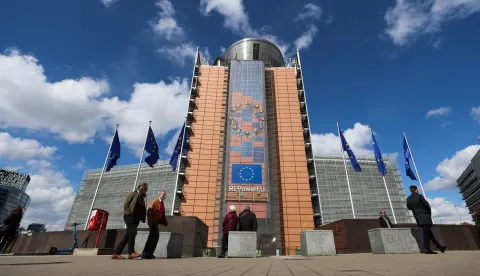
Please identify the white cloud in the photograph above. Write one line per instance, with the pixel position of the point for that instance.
(23, 149)
(236, 19)
(13, 168)
(77, 110)
(451, 168)
(166, 25)
(81, 164)
(310, 11)
(443, 211)
(448, 123)
(438, 112)
(475, 112)
(180, 54)
(306, 38)
(358, 137)
(108, 3)
(222, 50)
(51, 196)
(409, 19)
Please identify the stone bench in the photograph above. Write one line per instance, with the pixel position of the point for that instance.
(392, 241)
(317, 243)
(242, 244)
(169, 244)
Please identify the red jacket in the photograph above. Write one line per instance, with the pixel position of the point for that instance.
(230, 222)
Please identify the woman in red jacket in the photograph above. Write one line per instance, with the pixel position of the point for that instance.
(230, 223)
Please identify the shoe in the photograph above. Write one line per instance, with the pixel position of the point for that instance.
(117, 257)
(148, 257)
(430, 252)
(443, 248)
(221, 256)
(134, 256)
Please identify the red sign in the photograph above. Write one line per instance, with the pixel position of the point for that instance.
(98, 220)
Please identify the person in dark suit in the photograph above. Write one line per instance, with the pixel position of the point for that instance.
(247, 221)
(384, 220)
(423, 215)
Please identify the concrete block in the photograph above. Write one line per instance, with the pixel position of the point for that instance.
(392, 241)
(317, 243)
(93, 251)
(169, 244)
(242, 244)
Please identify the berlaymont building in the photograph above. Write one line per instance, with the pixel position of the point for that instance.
(248, 142)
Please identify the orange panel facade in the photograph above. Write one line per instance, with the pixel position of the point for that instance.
(205, 155)
(293, 180)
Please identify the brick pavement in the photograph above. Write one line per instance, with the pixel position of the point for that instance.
(450, 263)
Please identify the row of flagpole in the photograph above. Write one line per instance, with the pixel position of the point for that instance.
(150, 147)
(407, 152)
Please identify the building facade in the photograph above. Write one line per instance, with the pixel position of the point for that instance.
(115, 186)
(249, 143)
(469, 185)
(12, 192)
(369, 195)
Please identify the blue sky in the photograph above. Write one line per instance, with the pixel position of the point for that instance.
(71, 70)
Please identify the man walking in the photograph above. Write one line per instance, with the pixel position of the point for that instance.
(247, 221)
(230, 223)
(134, 211)
(155, 216)
(423, 215)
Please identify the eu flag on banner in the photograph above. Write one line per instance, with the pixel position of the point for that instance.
(114, 153)
(151, 148)
(346, 147)
(246, 174)
(378, 157)
(177, 150)
(407, 154)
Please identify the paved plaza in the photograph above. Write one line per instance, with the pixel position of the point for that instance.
(450, 263)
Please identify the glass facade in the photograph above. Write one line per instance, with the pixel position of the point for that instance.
(115, 186)
(11, 197)
(14, 179)
(368, 190)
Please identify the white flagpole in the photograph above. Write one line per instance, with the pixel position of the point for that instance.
(415, 166)
(141, 158)
(386, 188)
(99, 180)
(389, 200)
(346, 173)
(416, 171)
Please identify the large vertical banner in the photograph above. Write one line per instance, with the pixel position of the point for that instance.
(247, 164)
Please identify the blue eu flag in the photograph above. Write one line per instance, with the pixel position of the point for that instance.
(407, 154)
(246, 174)
(346, 147)
(114, 153)
(151, 148)
(178, 147)
(378, 157)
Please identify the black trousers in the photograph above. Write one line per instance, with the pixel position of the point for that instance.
(428, 236)
(129, 238)
(224, 244)
(152, 240)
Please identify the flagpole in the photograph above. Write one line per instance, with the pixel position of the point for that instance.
(178, 166)
(415, 166)
(346, 173)
(141, 158)
(389, 200)
(99, 180)
(386, 188)
(416, 171)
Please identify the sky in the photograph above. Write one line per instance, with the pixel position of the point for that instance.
(71, 70)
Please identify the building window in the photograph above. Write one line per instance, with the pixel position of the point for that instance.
(256, 51)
